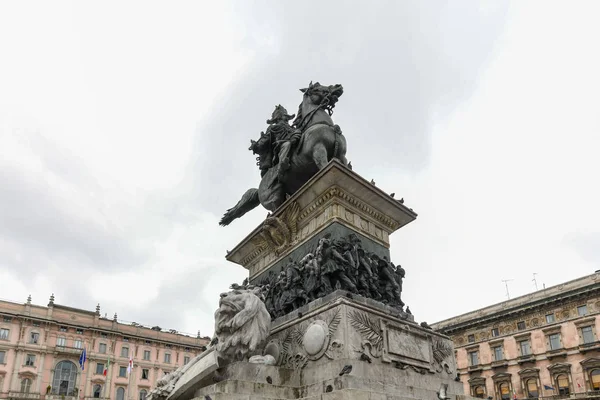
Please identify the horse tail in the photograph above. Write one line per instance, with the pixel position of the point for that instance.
(248, 202)
(336, 144)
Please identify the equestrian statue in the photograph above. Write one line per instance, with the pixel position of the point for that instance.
(289, 155)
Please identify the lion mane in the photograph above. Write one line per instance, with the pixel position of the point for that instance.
(242, 324)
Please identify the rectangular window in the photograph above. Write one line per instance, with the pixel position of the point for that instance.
(554, 341)
(550, 318)
(186, 349)
(34, 338)
(582, 310)
(36, 323)
(7, 319)
(474, 358)
(167, 358)
(588, 334)
(4, 334)
(79, 331)
(148, 342)
(498, 356)
(146, 354)
(78, 344)
(124, 351)
(61, 342)
(2, 355)
(186, 360)
(471, 338)
(103, 334)
(102, 348)
(168, 346)
(99, 368)
(126, 339)
(63, 329)
(145, 373)
(30, 360)
(495, 332)
(525, 347)
(122, 371)
(521, 325)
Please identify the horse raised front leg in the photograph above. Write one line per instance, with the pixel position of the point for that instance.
(248, 202)
(320, 155)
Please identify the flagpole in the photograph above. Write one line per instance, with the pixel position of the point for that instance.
(83, 369)
(107, 382)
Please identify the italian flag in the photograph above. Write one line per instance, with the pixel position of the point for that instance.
(106, 367)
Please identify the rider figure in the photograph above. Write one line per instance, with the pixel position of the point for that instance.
(284, 137)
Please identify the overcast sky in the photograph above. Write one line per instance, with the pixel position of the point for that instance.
(124, 129)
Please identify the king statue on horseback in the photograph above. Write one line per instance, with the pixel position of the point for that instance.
(289, 155)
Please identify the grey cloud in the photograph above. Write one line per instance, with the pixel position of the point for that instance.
(400, 63)
(587, 245)
(37, 216)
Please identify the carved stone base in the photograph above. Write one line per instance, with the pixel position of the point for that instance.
(342, 347)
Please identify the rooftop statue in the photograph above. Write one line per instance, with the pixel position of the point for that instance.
(289, 155)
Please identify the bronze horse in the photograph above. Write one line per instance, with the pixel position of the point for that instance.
(320, 142)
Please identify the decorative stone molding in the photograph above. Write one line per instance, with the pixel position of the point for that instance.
(586, 322)
(558, 368)
(529, 372)
(522, 336)
(335, 194)
(552, 329)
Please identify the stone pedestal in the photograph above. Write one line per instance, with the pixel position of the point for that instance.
(342, 345)
(337, 201)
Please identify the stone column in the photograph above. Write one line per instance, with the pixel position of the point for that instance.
(40, 374)
(88, 380)
(14, 381)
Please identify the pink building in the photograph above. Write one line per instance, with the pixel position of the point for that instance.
(541, 345)
(40, 349)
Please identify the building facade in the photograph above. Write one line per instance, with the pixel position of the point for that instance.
(544, 344)
(40, 349)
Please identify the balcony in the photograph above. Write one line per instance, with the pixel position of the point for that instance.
(526, 359)
(499, 364)
(585, 347)
(474, 368)
(68, 350)
(60, 397)
(23, 395)
(550, 354)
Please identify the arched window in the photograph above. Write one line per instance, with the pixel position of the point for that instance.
(504, 391)
(65, 375)
(562, 382)
(120, 394)
(97, 391)
(25, 385)
(479, 392)
(595, 379)
(532, 388)
(143, 394)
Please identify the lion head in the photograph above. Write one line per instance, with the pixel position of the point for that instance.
(242, 324)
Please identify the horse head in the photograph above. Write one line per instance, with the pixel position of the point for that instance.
(319, 95)
(262, 145)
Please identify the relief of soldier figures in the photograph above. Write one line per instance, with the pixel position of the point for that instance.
(334, 264)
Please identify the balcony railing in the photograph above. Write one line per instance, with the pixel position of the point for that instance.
(499, 364)
(526, 358)
(68, 349)
(60, 397)
(23, 395)
(592, 395)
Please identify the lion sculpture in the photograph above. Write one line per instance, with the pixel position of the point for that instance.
(242, 324)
